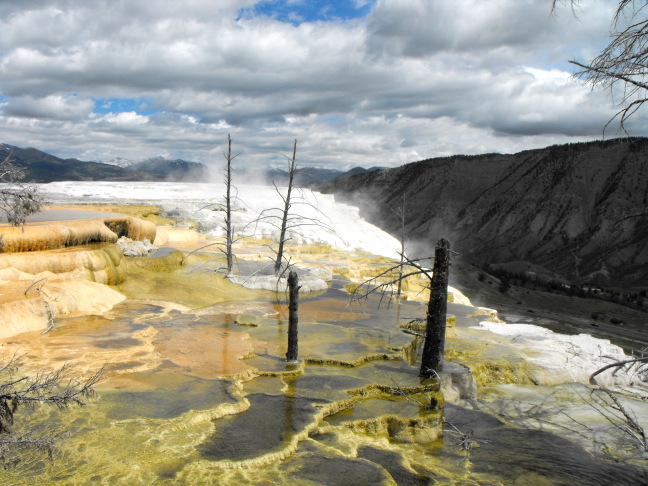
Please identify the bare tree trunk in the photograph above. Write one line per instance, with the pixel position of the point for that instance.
(402, 251)
(432, 360)
(293, 319)
(228, 208)
(292, 170)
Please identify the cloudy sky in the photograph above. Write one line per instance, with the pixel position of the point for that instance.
(356, 82)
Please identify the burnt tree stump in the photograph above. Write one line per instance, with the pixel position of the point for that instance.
(293, 297)
(435, 326)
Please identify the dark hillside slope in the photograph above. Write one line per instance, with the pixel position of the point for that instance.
(565, 208)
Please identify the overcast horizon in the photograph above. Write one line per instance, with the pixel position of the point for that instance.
(356, 82)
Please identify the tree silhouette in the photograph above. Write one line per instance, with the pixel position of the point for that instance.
(624, 61)
(55, 389)
(17, 200)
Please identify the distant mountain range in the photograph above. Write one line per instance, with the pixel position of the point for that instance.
(579, 210)
(43, 167)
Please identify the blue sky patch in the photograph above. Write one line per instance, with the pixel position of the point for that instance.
(119, 105)
(299, 11)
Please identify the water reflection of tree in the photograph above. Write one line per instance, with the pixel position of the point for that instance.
(289, 405)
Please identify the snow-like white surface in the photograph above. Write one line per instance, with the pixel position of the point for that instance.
(135, 248)
(337, 224)
(458, 297)
(565, 358)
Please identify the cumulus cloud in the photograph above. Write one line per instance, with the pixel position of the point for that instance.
(57, 107)
(413, 79)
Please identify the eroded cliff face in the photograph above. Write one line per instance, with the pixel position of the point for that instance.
(578, 210)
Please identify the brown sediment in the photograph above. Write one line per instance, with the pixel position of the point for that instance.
(204, 351)
(201, 351)
(82, 353)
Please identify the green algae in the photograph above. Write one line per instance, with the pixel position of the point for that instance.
(352, 411)
(168, 279)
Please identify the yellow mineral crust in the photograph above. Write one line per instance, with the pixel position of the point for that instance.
(61, 234)
(173, 236)
(25, 307)
(133, 228)
(102, 264)
(44, 274)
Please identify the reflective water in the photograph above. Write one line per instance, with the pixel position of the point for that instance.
(204, 396)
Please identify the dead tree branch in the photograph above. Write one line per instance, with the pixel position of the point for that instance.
(45, 388)
(622, 66)
(17, 200)
(617, 364)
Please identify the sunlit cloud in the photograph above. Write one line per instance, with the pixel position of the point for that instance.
(357, 82)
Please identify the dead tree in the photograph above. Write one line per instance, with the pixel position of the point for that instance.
(229, 225)
(54, 388)
(17, 200)
(400, 212)
(292, 170)
(434, 344)
(613, 406)
(229, 229)
(435, 326)
(285, 218)
(623, 62)
(293, 318)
